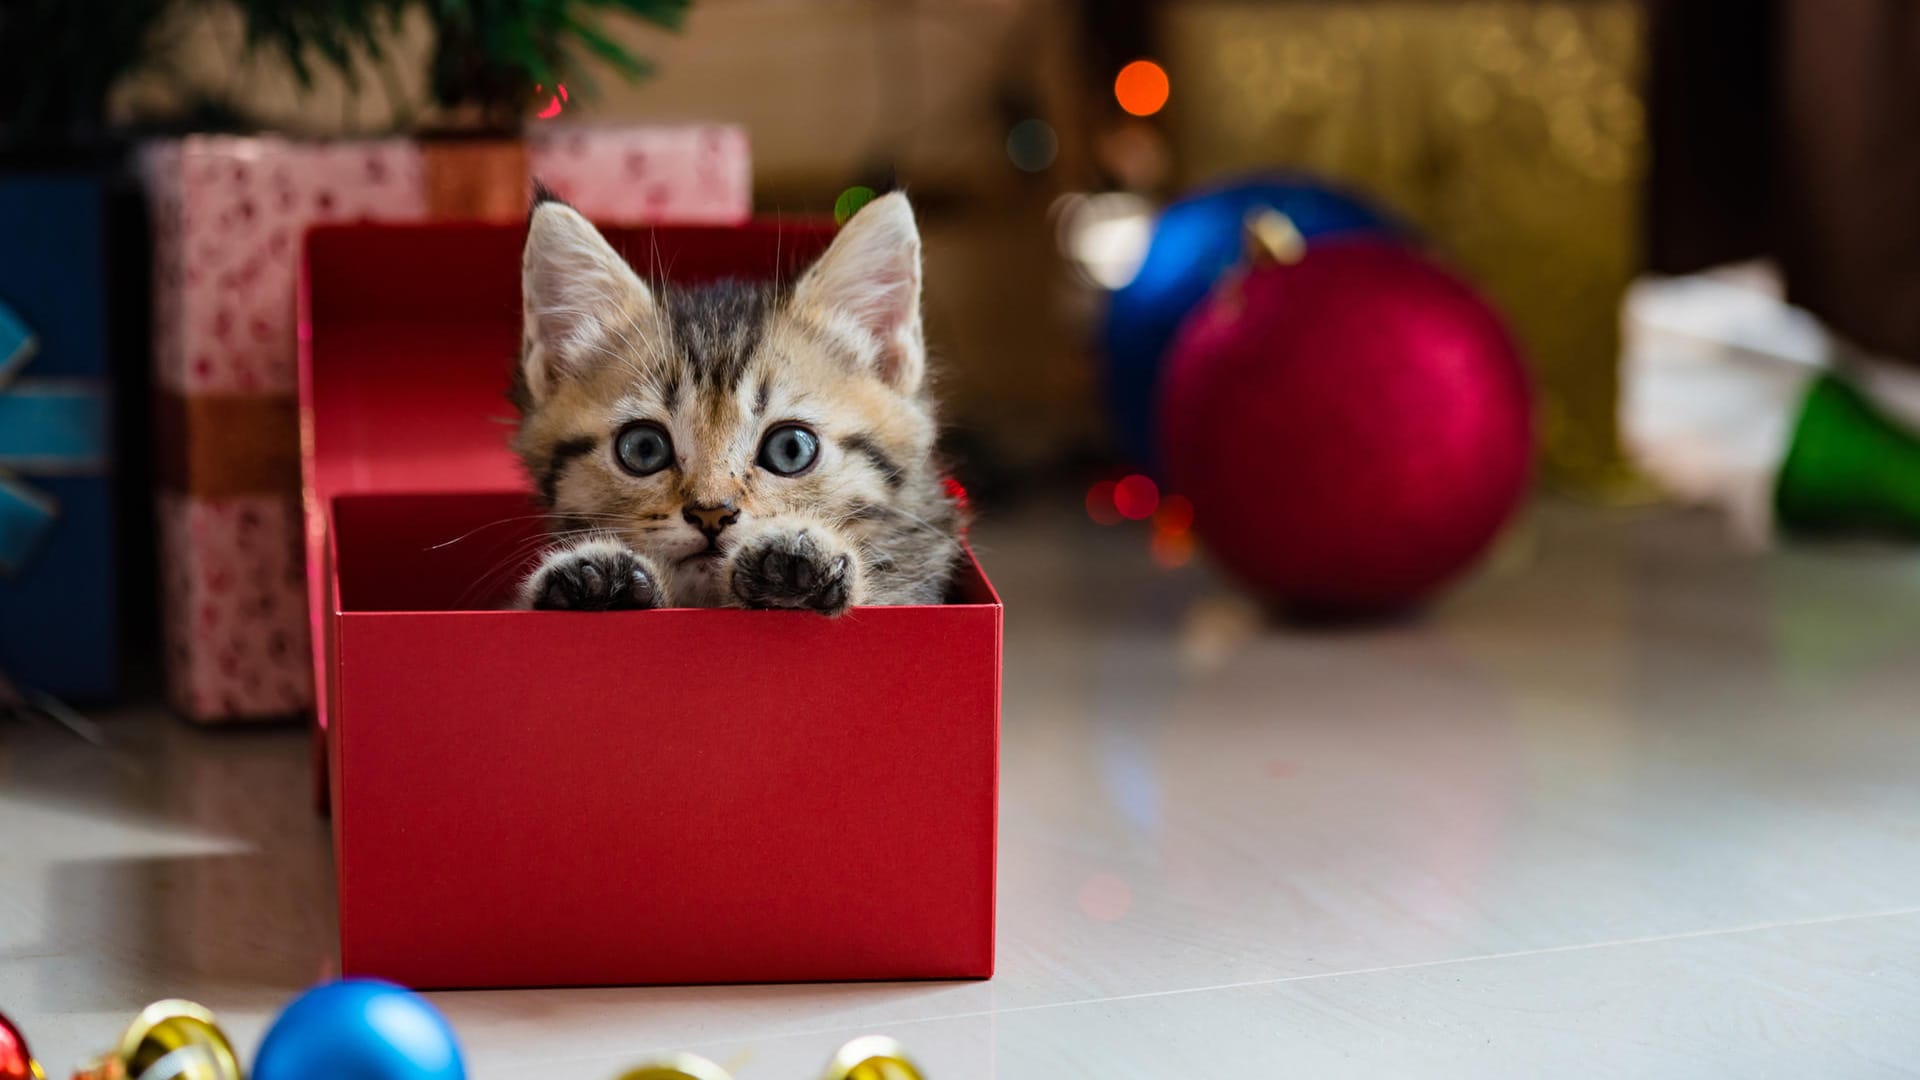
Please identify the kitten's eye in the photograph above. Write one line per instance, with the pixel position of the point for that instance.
(643, 448)
(789, 450)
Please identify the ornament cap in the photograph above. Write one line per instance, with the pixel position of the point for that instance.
(169, 1040)
(872, 1057)
(678, 1067)
(1271, 238)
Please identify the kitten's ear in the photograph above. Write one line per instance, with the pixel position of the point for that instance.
(867, 289)
(573, 288)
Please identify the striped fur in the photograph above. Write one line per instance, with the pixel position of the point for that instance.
(718, 367)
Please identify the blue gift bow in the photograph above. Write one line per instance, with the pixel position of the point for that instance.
(47, 426)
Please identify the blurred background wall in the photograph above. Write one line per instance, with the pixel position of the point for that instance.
(1541, 154)
(1510, 132)
(831, 93)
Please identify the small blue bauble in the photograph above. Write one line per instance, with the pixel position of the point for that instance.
(1196, 240)
(359, 1029)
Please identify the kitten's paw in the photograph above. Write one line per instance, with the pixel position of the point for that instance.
(800, 569)
(597, 575)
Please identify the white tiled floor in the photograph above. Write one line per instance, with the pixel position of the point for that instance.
(1632, 803)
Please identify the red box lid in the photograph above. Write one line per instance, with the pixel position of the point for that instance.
(406, 390)
(408, 339)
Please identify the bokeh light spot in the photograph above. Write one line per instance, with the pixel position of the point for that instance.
(958, 493)
(850, 202)
(1032, 145)
(1174, 516)
(1100, 503)
(555, 102)
(1136, 497)
(1136, 153)
(1104, 236)
(1106, 897)
(1171, 550)
(1141, 88)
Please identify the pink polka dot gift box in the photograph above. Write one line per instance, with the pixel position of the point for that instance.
(229, 215)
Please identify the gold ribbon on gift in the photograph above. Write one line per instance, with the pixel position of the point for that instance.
(227, 444)
(1510, 132)
(476, 179)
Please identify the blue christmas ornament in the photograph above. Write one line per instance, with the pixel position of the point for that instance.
(1196, 240)
(359, 1029)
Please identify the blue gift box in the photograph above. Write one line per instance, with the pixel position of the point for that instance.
(58, 629)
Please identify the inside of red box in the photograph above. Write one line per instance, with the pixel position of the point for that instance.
(455, 552)
(463, 552)
(411, 333)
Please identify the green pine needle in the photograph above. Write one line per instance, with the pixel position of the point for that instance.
(487, 53)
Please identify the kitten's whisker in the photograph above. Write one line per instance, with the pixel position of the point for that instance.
(918, 522)
(482, 528)
(530, 549)
(516, 554)
(590, 515)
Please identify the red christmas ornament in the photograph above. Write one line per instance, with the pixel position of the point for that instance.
(1353, 428)
(16, 1062)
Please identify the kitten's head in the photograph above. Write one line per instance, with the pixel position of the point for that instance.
(688, 421)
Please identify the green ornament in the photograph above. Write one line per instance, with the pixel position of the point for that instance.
(1849, 468)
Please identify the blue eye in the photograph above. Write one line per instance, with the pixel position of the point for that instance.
(643, 448)
(789, 450)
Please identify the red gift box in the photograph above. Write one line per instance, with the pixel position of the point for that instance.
(559, 798)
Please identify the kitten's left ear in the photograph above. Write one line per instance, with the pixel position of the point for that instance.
(574, 286)
(867, 289)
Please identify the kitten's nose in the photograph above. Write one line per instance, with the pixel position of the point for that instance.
(711, 519)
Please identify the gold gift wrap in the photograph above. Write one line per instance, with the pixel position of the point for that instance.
(169, 1040)
(1510, 132)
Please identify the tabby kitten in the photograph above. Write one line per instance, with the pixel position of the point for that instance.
(735, 444)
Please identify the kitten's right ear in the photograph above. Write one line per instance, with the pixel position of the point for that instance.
(578, 297)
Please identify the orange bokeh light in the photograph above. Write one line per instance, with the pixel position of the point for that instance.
(1141, 88)
(1136, 497)
(1171, 550)
(1174, 516)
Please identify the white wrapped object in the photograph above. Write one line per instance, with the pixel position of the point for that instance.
(1715, 368)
